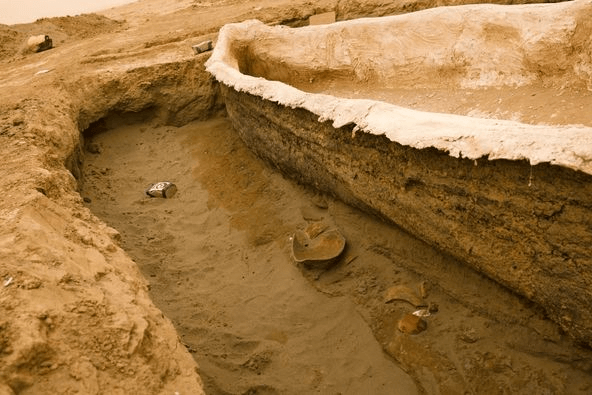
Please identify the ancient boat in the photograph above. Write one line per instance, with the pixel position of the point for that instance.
(511, 199)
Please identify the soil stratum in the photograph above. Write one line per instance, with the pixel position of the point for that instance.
(106, 291)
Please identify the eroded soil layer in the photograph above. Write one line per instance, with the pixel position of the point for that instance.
(218, 261)
(528, 227)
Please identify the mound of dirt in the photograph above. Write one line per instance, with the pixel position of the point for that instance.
(62, 30)
(81, 26)
(10, 41)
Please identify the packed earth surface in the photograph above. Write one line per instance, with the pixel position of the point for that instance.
(105, 290)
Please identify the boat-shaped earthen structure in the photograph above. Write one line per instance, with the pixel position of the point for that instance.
(511, 198)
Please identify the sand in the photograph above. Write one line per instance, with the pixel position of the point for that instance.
(217, 256)
(217, 259)
(105, 290)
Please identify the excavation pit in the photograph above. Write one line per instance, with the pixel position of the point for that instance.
(217, 257)
(317, 102)
(78, 296)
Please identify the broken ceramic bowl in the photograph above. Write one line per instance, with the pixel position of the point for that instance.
(318, 251)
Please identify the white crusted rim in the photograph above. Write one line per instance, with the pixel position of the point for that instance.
(460, 136)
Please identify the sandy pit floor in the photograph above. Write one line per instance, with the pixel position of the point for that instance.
(217, 256)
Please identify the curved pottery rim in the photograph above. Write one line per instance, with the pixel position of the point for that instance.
(318, 250)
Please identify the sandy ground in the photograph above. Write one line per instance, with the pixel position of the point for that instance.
(217, 256)
(78, 317)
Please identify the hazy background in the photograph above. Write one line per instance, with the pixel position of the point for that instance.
(23, 11)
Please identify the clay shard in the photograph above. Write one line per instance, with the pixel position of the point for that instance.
(319, 250)
(403, 293)
(412, 324)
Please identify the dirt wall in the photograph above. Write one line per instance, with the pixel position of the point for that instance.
(76, 312)
(527, 227)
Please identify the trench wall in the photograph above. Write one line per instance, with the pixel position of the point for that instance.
(527, 227)
(75, 313)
